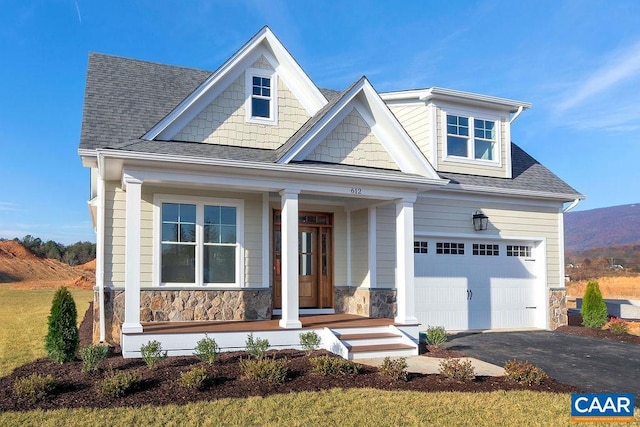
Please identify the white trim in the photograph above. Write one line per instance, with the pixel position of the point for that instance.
(433, 114)
(133, 221)
(382, 123)
(278, 311)
(349, 282)
(200, 202)
(494, 198)
(476, 236)
(561, 282)
(249, 73)
(372, 247)
(266, 248)
(100, 252)
(405, 274)
(289, 215)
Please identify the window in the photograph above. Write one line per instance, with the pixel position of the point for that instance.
(483, 249)
(200, 241)
(449, 248)
(420, 247)
(261, 96)
(520, 251)
(481, 145)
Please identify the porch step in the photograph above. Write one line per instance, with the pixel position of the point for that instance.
(369, 342)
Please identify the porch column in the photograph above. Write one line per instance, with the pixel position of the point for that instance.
(132, 255)
(289, 232)
(405, 289)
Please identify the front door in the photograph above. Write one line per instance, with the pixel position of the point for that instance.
(315, 289)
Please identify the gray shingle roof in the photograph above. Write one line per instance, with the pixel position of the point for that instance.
(124, 98)
(528, 174)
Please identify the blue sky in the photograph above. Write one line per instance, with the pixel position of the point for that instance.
(577, 62)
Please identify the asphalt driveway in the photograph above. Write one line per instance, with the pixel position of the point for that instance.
(596, 366)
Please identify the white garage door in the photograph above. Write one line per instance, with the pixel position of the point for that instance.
(476, 285)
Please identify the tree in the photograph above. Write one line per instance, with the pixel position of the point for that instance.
(594, 310)
(62, 340)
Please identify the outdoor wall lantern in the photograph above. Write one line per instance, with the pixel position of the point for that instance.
(480, 221)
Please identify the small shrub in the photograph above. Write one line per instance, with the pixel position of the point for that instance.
(329, 365)
(256, 347)
(195, 378)
(456, 369)
(618, 326)
(152, 353)
(207, 350)
(395, 368)
(92, 356)
(34, 388)
(310, 341)
(524, 372)
(594, 309)
(61, 342)
(266, 369)
(119, 384)
(436, 336)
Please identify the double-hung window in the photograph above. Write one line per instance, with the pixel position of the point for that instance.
(471, 138)
(261, 96)
(200, 241)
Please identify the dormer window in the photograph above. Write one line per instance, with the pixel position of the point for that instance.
(477, 145)
(261, 97)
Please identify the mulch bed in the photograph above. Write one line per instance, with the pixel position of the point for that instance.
(575, 328)
(76, 389)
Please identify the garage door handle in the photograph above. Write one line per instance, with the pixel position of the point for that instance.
(532, 307)
(469, 294)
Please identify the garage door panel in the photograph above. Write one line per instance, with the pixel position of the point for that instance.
(462, 292)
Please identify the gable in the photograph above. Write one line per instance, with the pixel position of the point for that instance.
(352, 142)
(224, 122)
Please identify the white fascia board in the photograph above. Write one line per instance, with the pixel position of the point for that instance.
(305, 143)
(295, 170)
(456, 96)
(514, 192)
(477, 236)
(89, 158)
(407, 155)
(300, 84)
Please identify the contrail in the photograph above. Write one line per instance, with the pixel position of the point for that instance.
(78, 10)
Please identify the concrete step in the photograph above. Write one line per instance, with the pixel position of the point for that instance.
(367, 336)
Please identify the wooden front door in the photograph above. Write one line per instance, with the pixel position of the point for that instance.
(315, 284)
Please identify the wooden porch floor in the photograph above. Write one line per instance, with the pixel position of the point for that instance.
(308, 322)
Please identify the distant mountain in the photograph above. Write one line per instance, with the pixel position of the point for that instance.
(603, 227)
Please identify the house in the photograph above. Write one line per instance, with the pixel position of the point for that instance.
(248, 198)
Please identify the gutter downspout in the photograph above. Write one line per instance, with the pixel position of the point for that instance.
(515, 116)
(571, 206)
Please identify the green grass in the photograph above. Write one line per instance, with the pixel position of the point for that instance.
(23, 323)
(354, 407)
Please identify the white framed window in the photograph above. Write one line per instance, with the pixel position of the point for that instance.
(523, 251)
(420, 247)
(261, 97)
(471, 138)
(449, 248)
(199, 241)
(485, 249)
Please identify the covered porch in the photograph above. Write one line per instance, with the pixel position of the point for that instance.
(347, 335)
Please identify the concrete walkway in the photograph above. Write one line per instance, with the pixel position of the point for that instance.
(430, 365)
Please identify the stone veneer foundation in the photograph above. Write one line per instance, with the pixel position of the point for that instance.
(557, 308)
(182, 305)
(366, 302)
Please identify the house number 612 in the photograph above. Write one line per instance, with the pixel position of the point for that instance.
(356, 190)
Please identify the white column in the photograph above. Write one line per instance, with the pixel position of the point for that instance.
(373, 248)
(289, 230)
(132, 256)
(100, 253)
(405, 289)
(266, 265)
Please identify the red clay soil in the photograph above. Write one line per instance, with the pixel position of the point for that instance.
(76, 389)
